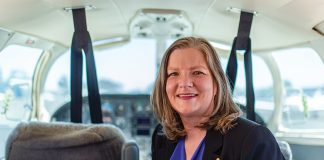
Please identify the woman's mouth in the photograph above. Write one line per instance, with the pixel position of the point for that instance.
(186, 96)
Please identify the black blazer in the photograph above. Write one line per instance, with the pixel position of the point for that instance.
(246, 141)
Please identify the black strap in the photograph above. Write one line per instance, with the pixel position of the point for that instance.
(243, 42)
(82, 41)
(231, 69)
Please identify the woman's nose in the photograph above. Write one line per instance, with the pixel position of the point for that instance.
(185, 81)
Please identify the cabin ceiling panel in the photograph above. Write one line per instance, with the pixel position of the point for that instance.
(279, 22)
(268, 30)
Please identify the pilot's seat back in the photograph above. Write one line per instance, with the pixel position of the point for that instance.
(66, 141)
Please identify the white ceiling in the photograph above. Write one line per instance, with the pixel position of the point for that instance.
(279, 22)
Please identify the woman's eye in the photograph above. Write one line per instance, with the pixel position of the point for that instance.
(198, 73)
(172, 74)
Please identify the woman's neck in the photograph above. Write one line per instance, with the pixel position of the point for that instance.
(191, 123)
(194, 132)
(194, 137)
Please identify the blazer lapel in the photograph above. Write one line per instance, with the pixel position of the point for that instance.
(169, 150)
(213, 145)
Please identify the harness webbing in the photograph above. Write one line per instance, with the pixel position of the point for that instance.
(82, 41)
(243, 42)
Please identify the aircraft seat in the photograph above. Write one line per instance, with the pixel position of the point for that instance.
(65, 141)
(130, 151)
(285, 149)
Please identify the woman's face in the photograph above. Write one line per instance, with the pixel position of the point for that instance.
(189, 85)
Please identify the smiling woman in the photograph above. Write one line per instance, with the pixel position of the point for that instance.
(198, 117)
(129, 40)
(189, 83)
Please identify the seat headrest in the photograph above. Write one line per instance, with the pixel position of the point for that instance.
(64, 140)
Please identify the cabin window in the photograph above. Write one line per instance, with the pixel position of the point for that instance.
(263, 86)
(17, 65)
(302, 74)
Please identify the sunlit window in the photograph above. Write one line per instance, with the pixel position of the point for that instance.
(302, 72)
(263, 86)
(17, 65)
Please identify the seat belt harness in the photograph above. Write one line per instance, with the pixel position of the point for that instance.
(243, 42)
(82, 42)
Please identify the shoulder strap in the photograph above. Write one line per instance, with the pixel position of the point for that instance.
(243, 42)
(82, 41)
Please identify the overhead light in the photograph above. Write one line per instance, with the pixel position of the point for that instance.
(239, 10)
(220, 45)
(86, 7)
(110, 41)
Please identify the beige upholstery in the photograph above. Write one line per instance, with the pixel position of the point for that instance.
(285, 149)
(64, 141)
(130, 151)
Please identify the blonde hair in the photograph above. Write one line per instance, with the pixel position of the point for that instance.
(225, 111)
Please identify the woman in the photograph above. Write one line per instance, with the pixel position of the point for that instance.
(198, 117)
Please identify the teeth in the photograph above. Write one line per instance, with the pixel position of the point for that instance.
(187, 95)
